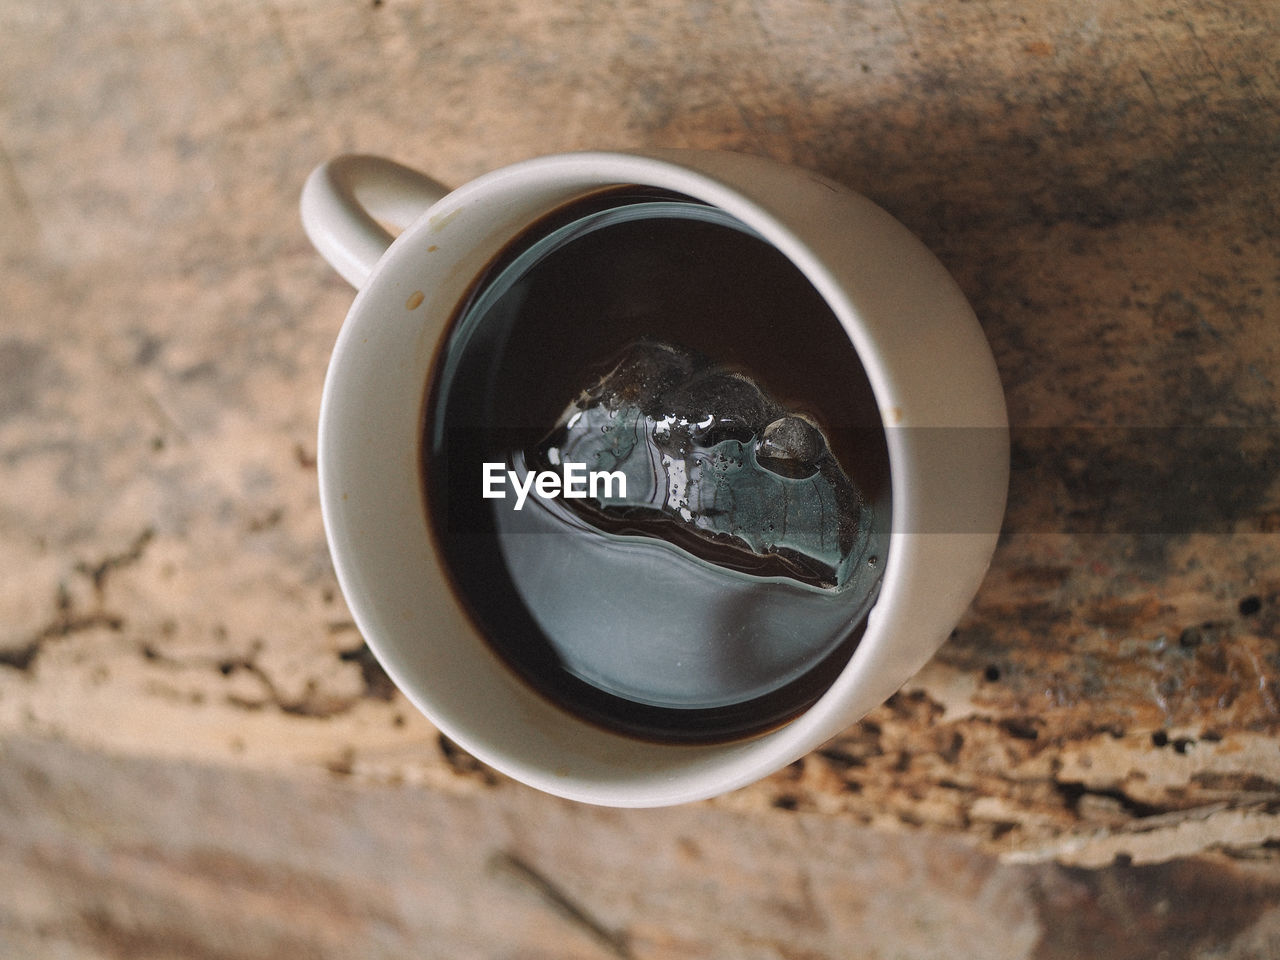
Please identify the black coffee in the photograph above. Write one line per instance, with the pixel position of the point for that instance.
(715, 579)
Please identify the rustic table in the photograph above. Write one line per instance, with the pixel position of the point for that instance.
(199, 757)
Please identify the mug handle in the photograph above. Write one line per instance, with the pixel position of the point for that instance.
(343, 200)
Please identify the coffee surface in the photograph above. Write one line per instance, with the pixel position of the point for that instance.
(655, 336)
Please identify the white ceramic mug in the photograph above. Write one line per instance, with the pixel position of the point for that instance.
(927, 360)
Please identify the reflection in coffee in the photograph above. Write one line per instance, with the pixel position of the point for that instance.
(650, 335)
(709, 461)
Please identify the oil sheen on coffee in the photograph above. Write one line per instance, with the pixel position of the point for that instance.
(653, 336)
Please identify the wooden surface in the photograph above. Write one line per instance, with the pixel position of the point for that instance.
(199, 759)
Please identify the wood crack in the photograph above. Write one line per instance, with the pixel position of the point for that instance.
(67, 620)
(503, 862)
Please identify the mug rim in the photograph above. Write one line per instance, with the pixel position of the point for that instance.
(876, 665)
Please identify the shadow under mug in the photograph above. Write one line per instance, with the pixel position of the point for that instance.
(928, 363)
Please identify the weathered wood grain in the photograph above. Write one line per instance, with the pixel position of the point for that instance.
(1103, 179)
